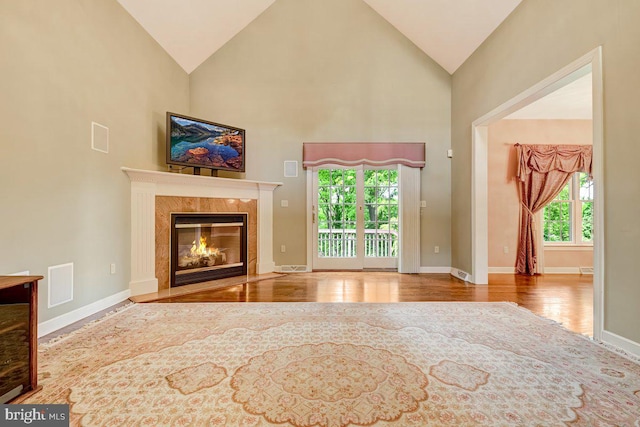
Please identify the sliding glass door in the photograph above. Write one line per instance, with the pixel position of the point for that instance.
(355, 218)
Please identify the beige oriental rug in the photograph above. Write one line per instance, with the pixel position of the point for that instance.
(336, 365)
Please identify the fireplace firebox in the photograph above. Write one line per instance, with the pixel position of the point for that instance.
(207, 246)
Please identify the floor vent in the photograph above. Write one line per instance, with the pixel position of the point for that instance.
(293, 268)
(586, 270)
(462, 275)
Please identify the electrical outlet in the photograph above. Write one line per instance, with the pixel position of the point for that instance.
(506, 249)
(113, 268)
(283, 248)
(436, 249)
(284, 203)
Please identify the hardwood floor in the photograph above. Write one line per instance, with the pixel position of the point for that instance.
(567, 299)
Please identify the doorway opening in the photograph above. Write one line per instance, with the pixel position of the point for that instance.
(479, 201)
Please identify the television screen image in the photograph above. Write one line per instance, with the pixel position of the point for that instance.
(203, 144)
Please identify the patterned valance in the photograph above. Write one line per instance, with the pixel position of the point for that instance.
(410, 154)
(544, 158)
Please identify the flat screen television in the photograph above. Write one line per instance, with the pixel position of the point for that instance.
(203, 144)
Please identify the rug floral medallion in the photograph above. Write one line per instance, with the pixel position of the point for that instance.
(336, 365)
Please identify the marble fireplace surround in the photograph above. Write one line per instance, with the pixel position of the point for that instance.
(155, 194)
(166, 205)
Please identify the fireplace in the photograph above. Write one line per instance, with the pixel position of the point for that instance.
(207, 246)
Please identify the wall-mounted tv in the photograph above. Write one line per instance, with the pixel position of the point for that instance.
(202, 144)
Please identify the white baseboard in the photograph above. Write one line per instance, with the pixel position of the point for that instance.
(265, 267)
(547, 270)
(502, 270)
(623, 343)
(306, 269)
(145, 286)
(427, 270)
(562, 270)
(66, 319)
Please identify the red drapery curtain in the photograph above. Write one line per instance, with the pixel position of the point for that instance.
(543, 170)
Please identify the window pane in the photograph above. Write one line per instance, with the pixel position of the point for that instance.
(324, 177)
(383, 178)
(369, 194)
(393, 195)
(350, 177)
(336, 213)
(564, 193)
(369, 177)
(557, 222)
(393, 176)
(565, 211)
(586, 187)
(323, 195)
(350, 212)
(383, 213)
(587, 221)
(349, 193)
(323, 213)
(336, 177)
(552, 211)
(383, 194)
(370, 213)
(393, 213)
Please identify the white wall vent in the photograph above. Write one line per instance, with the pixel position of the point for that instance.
(290, 168)
(60, 282)
(99, 137)
(293, 269)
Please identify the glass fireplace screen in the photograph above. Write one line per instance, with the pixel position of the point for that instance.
(207, 248)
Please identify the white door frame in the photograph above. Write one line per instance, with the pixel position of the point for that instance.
(479, 144)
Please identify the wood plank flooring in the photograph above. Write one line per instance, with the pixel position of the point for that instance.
(567, 299)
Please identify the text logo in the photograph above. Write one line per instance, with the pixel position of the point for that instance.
(34, 415)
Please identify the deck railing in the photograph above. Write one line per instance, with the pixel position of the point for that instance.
(342, 243)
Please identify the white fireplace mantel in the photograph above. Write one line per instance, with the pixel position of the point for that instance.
(146, 185)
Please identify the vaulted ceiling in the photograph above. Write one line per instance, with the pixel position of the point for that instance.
(448, 31)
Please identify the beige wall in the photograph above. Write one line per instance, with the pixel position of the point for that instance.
(537, 39)
(502, 191)
(66, 63)
(329, 71)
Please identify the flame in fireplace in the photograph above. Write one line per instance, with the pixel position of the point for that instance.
(202, 249)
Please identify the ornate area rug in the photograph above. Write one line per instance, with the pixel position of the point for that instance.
(336, 365)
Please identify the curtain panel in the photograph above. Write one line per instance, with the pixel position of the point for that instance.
(543, 170)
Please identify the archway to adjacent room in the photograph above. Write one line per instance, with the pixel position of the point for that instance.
(479, 205)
